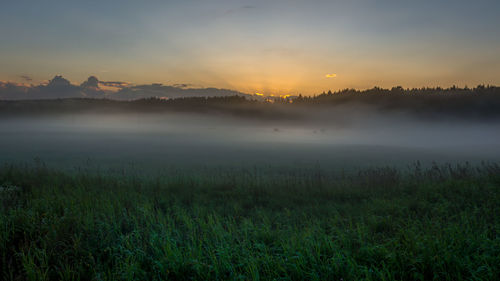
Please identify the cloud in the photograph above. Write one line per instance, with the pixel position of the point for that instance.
(183, 85)
(331, 75)
(59, 87)
(59, 82)
(92, 82)
(164, 91)
(117, 84)
(26, 78)
(245, 7)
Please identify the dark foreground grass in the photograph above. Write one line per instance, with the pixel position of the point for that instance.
(439, 223)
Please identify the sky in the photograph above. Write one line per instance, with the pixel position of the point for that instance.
(254, 46)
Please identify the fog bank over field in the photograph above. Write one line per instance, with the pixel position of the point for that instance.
(347, 137)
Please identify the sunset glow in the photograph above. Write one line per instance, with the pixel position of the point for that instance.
(299, 43)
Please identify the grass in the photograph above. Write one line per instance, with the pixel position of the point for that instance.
(437, 223)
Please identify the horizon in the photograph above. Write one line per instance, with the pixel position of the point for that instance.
(255, 46)
(116, 86)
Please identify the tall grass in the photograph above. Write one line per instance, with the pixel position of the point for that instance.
(437, 223)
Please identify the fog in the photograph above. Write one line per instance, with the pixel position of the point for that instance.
(353, 137)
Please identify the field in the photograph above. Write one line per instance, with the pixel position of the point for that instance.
(250, 140)
(264, 223)
(148, 191)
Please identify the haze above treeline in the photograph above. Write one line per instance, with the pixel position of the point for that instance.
(59, 88)
(60, 96)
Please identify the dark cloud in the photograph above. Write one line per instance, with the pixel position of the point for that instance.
(183, 85)
(117, 84)
(164, 91)
(59, 87)
(26, 78)
(56, 88)
(245, 7)
(12, 91)
(92, 82)
(59, 82)
(90, 88)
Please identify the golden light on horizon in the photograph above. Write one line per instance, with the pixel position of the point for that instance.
(331, 75)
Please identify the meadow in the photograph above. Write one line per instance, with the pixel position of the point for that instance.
(438, 222)
(235, 189)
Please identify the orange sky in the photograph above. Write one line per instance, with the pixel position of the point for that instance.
(270, 47)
